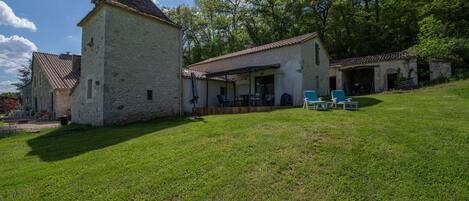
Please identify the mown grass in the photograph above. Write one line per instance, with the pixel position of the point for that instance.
(400, 146)
(1, 122)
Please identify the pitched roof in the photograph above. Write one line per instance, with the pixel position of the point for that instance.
(57, 69)
(278, 44)
(372, 59)
(142, 7)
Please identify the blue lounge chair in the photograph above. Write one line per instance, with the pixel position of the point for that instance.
(339, 98)
(311, 99)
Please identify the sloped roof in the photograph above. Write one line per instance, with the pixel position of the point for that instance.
(199, 75)
(142, 7)
(57, 70)
(372, 59)
(278, 44)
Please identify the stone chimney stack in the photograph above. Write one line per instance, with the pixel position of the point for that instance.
(76, 64)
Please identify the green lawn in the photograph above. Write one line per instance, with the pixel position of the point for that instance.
(400, 146)
(1, 122)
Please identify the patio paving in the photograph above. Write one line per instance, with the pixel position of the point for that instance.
(29, 127)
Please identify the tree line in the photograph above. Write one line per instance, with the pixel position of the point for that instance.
(429, 28)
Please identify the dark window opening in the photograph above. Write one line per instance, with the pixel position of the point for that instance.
(149, 94)
(89, 91)
(223, 91)
(333, 83)
(318, 62)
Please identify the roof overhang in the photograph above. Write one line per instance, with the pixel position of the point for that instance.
(242, 70)
(131, 10)
(357, 67)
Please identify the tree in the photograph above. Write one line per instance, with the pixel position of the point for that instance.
(24, 75)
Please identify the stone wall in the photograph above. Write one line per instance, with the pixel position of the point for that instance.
(62, 103)
(141, 54)
(131, 55)
(381, 72)
(440, 68)
(315, 77)
(390, 67)
(90, 110)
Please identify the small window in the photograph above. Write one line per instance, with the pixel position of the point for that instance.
(149, 94)
(317, 49)
(89, 90)
(222, 91)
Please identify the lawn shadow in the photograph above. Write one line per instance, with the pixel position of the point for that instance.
(367, 101)
(68, 142)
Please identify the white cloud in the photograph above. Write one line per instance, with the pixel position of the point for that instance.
(6, 86)
(157, 2)
(8, 18)
(15, 52)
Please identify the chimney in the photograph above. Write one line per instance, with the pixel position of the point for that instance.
(76, 64)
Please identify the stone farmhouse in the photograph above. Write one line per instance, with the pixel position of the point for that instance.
(131, 69)
(53, 77)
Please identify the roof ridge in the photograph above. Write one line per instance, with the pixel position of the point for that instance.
(372, 58)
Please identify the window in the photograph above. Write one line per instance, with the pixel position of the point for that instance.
(149, 94)
(222, 91)
(89, 90)
(318, 62)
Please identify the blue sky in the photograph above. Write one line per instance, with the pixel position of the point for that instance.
(42, 25)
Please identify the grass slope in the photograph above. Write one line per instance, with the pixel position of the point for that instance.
(409, 146)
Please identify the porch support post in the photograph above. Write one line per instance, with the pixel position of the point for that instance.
(206, 93)
(226, 87)
(250, 89)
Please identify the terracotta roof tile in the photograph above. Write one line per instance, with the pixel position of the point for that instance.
(372, 59)
(57, 69)
(278, 44)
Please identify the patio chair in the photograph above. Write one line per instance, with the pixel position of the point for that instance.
(339, 98)
(311, 99)
(222, 101)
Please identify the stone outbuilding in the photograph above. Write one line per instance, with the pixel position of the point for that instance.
(439, 68)
(378, 73)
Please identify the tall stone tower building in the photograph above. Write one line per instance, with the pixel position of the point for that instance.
(131, 64)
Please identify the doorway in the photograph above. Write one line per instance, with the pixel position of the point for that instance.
(265, 88)
(392, 79)
(359, 81)
(333, 83)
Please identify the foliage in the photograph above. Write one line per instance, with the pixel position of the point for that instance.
(410, 146)
(436, 28)
(24, 75)
(10, 95)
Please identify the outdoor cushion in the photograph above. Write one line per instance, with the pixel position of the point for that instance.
(311, 96)
(339, 96)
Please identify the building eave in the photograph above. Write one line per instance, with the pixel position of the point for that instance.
(126, 8)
